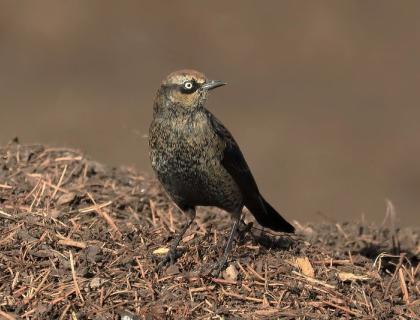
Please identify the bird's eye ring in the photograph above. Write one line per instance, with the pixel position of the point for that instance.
(188, 85)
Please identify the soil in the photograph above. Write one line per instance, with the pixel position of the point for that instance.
(79, 240)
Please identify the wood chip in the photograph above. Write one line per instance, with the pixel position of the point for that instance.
(305, 266)
(161, 251)
(347, 276)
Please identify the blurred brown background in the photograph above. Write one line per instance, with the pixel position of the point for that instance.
(323, 96)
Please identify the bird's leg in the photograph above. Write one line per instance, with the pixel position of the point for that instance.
(233, 231)
(171, 256)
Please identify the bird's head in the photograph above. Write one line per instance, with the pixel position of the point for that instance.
(186, 88)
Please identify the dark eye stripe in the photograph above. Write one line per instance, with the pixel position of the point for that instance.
(193, 88)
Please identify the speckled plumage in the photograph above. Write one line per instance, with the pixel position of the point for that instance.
(196, 158)
(186, 154)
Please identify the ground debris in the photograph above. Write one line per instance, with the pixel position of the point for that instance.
(79, 240)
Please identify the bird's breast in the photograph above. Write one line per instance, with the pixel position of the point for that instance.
(183, 141)
(186, 156)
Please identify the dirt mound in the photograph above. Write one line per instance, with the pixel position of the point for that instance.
(79, 240)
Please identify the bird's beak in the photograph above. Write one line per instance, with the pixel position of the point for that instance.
(212, 84)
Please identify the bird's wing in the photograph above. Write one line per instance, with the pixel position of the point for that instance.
(234, 162)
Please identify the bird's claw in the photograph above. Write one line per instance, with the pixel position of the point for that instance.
(170, 258)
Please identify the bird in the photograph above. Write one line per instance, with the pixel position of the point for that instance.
(199, 163)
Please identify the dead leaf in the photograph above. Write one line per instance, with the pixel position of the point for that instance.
(231, 273)
(96, 282)
(188, 238)
(66, 198)
(172, 270)
(305, 266)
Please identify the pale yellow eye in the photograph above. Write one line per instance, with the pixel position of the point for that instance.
(188, 85)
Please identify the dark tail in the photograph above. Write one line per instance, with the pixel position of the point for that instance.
(267, 216)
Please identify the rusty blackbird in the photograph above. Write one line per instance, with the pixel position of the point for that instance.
(197, 160)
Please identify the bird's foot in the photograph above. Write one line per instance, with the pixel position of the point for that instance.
(244, 228)
(170, 258)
